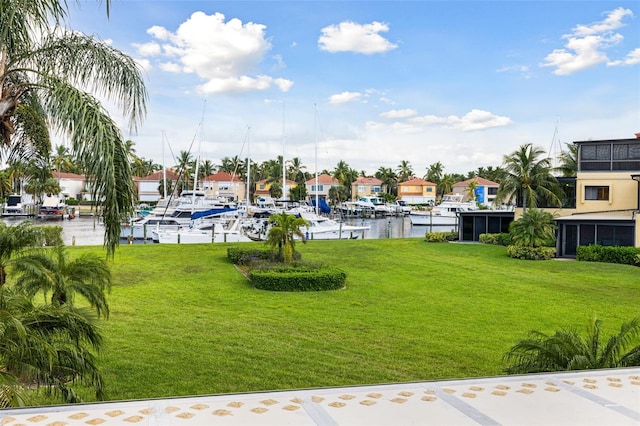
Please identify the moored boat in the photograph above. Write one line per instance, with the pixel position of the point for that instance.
(445, 213)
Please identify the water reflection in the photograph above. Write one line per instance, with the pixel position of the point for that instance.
(88, 231)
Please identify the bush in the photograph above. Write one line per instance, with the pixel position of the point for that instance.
(49, 235)
(240, 256)
(441, 237)
(531, 253)
(503, 239)
(609, 254)
(298, 278)
(72, 201)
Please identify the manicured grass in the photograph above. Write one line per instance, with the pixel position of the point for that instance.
(184, 321)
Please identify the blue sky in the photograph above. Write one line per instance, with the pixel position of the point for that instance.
(374, 83)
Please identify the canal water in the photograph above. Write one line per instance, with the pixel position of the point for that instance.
(88, 231)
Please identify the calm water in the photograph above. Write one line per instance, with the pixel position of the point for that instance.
(87, 231)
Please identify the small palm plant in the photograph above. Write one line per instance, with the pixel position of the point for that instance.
(569, 350)
(534, 229)
(283, 232)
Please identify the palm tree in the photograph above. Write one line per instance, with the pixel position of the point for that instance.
(569, 350)
(185, 167)
(295, 170)
(471, 189)
(434, 172)
(341, 173)
(446, 183)
(536, 228)
(388, 178)
(62, 160)
(43, 69)
(405, 171)
(207, 168)
(283, 232)
(527, 176)
(338, 194)
(53, 271)
(13, 241)
(568, 161)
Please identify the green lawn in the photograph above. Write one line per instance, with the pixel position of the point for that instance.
(184, 321)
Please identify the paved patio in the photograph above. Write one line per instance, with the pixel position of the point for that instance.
(596, 397)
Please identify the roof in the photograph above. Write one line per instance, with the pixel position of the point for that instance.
(159, 175)
(589, 397)
(63, 175)
(367, 181)
(596, 216)
(324, 179)
(221, 177)
(481, 181)
(417, 182)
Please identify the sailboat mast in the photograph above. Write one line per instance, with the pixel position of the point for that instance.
(248, 170)
(315, 136)
(283, 162)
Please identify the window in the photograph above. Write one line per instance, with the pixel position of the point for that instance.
(320, 188)
(376, 189)
(600, 193)
(492, 190)
(360, 188)
(429, 188)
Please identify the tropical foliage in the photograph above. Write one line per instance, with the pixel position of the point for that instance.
(44, 72)
(534, 229)
(527, 176)
(51, 343)
(285, 227)
(568, 349)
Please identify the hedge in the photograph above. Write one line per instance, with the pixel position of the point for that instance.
(609, 254)
(441, 237)
(503, 239)
(298, 279)
(531, 253)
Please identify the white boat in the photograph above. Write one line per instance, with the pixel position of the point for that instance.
(376, 205)
(14, 206)
(213, 232)
(141, 228)
(53, 207)
(323, 228)
(445, 213)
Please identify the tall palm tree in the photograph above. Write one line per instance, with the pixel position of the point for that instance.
(405, 171)
(43, 71)
(283, 232)
(341, 173)
(471, 189)
(295, 170)
(185, 168)
(388, 178)
(446, 183)
(567, 349)
(568, 161)
(51, 271)
(207, 168)
(62, 160)
(526, 175)
(434, 172)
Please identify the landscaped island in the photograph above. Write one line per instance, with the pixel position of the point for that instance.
(185, 321)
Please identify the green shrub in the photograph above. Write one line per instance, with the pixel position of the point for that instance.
(503, 239)
(441, 237)
(298, 278)
(49, 235)
(241, 256)
(609, 254)
(72, 201)
(531, 253)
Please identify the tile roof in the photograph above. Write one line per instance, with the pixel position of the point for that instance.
(324, 179)
(417, 182)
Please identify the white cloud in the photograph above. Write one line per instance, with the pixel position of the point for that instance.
(344, 97)
(585, 45)
(144, 64)
(476, 119)
(632, 58)
(148, 49)
(352, 37)
(223, 53)
(401, 113)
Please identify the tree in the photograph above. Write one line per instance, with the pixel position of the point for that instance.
(275, 190)
(434, 172)
(185, 168)
(207, 168)
(527, 176)
(338, 194)
(295, 170)
(283, 232)
(52, 271)
(342, 173)
(568, 161)
(43, 70)
(534, 229)
(298, 193)
(405, 171)
(446, 183)
(567, 349)
(13, 241)
(62, 160)
(388, 178)
(471, 189)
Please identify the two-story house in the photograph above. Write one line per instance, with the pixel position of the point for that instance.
(149, 186)
(263, 186)
(324, 184)
(72, 185)
(226, 185)
(366, 187)
(417, 191)
(607, 197)
(485, 191)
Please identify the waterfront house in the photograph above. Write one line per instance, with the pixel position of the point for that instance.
(263, 186)
(72, 185)
(605, 208)
(485, 191)
(367, 187)
(417, 191)
(223, 184)
(149, 186)
(325, 183)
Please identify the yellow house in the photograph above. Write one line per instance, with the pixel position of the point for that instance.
(607, 197)
(366, 187)
(417, 191)
(263, 186)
